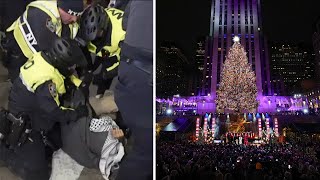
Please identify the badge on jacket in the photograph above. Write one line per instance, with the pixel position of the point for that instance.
(53, 90)
(50, 25)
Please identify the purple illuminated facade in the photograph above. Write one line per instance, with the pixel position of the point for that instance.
(231, 18)
(267, 104)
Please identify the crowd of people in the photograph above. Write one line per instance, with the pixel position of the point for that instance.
(188, 160)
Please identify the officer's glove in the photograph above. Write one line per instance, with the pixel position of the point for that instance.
(87, 78)
(70, 87)
(110, 74)
(85, 90)
(110, 68)
(86, 81)
(82, 111)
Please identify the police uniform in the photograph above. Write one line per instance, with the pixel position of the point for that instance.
(108, 51)
(134, 90)
(38, 97)
(34, 31)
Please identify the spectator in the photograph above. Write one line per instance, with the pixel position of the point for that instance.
(232, 161)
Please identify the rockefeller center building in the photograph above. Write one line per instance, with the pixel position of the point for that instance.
(231, 18)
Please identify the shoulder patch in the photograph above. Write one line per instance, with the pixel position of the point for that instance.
(50, 25)
(53, 90)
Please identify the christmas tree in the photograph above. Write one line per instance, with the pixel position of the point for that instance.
(237, 90)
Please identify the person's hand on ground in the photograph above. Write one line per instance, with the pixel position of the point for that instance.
(117, 133)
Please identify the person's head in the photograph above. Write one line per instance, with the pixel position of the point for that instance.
(64, 55)
(93, 23)
(70, 10)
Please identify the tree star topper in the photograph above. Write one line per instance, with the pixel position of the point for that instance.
(236, 39)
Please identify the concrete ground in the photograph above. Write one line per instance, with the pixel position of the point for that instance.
(5, 174)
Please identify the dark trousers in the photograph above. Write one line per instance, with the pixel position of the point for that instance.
(28, 161)
(103, 84)
(134, 98)
(14, 64)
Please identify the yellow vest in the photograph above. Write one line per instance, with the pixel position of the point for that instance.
(117, 34)
(37, 71)
(23, 32)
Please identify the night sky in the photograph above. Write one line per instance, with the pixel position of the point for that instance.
(183, 22)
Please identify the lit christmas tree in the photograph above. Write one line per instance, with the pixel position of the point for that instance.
(237, 90)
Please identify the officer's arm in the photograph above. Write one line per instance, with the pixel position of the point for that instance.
(42, 28)
(112, 63)
(46, 103)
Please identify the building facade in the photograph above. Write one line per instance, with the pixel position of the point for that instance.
(293, 63)
(316, 47)
(171, 71)
(240, 18)
(277, 86)
(199, 62)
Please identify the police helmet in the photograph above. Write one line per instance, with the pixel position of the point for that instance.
(93, 23)
(66, 53)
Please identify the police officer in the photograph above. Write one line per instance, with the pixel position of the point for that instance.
(42, 22)
(133, 92)
(36, 93)
(103, 29)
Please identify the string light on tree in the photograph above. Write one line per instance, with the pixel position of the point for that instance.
(237, 89)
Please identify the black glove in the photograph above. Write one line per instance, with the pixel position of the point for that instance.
(86, 81)
(110, 74)
(82, 111)
(107, 63)
(85, 91)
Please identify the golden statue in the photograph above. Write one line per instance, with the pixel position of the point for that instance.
(238, 126)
